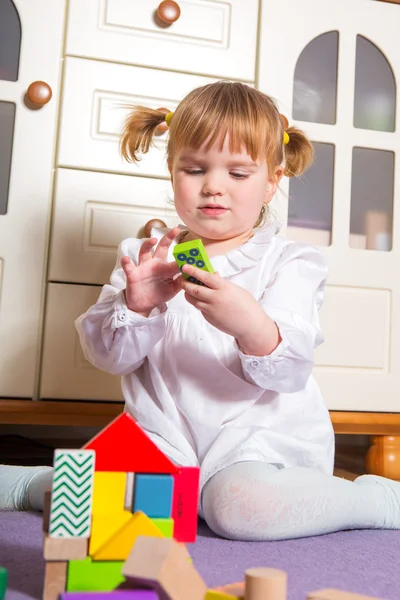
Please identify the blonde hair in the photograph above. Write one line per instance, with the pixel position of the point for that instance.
(207, 114)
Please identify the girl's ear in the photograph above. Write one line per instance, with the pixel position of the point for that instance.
(272, 186)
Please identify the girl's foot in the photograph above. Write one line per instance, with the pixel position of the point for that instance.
(23, 488)
(391, 494)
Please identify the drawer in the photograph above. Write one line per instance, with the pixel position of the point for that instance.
(65, 372)
(210, 37)
(93, 212)
(93, 111)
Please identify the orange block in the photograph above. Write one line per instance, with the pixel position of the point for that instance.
(104, 527)
(119, 545)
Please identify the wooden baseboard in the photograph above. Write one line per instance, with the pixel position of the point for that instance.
(99, 414)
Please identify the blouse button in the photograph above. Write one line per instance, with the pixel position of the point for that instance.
(122, 316)
(255, 363)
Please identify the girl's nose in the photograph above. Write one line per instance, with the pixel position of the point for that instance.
(213, 186)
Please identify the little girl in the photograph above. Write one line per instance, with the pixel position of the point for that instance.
(219, 375)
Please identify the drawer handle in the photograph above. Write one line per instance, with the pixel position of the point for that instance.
(39, 93)
(168, 11)
(153, 223)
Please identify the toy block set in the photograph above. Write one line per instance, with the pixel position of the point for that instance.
(116, 522)
(192, 253)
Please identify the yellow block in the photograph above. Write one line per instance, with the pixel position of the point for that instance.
(104, 527)
(108, 493)
(118, 546)
(213, 595)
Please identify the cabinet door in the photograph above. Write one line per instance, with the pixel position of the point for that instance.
(210, 37)
(94, 103)
(93, 212)
(27, 141)
(336, 76)
(66, 374)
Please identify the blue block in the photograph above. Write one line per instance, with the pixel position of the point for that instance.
(153, 495)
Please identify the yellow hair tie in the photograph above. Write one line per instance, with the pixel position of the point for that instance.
(168, 118)
(286, 138)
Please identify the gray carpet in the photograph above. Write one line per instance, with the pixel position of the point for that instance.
(366, 561)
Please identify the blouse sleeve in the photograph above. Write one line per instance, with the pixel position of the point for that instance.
(292, 299)
(114, 338)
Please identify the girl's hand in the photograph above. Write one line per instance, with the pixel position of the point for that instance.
(153, 281)
(231, 309)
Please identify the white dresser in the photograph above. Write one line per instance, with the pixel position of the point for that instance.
(67, 198)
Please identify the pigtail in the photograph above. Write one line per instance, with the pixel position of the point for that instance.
(138, 131)
(299, 152)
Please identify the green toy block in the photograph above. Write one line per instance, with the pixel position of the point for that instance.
(166, 526)
(3, 582)
(192, 253)
(94, 576)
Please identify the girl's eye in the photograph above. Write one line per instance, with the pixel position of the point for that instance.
(194, 171)
(239, 175)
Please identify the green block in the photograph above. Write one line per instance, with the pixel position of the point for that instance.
(166, 526)
(192, 253)
(94, 576)
(3, 582)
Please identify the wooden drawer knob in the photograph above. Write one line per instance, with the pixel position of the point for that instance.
(152, 223)
(168, 11)
(39, 93)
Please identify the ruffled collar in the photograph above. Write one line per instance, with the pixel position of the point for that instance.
(241, 258)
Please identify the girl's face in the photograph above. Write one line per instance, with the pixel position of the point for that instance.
(219, 195)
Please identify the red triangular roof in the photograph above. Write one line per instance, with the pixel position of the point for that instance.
(124, 446)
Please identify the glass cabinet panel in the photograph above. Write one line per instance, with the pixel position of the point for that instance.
(315, 80)
(311, 199)
(375, 89)
(10, 41)
(7, 118)
(372, 199)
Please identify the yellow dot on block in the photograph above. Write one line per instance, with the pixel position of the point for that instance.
(166, 526)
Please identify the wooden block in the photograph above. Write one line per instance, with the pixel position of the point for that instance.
(116, 595)
(65, 548)
(332, 594)
(166, 526)
(85, 575)
(71, 499)
(265, 584)
(162, 564)
(46, 511)
(124, 446)
(108, 493)
(130, 484)
(185, 503)
(104, 527)
(55, 580)
(119, 545)
(153, 495)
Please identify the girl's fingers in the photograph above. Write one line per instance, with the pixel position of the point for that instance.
(211, 280)
(128, 267)
(165, 242)
(146, 250)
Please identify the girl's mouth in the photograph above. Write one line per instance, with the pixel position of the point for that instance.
(213, 209)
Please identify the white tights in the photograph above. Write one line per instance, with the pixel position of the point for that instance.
(255, 501)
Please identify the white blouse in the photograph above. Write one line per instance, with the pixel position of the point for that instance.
(198, 397)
